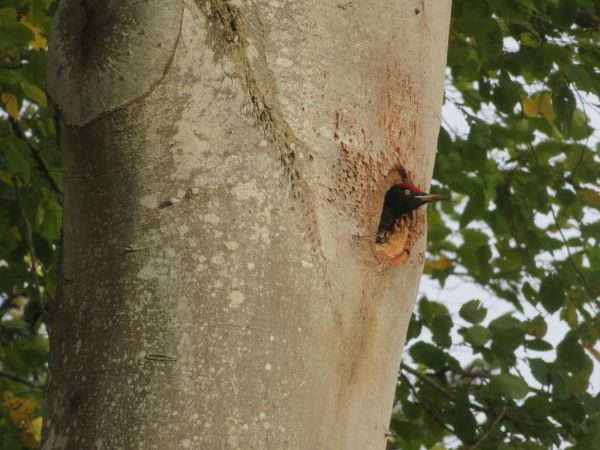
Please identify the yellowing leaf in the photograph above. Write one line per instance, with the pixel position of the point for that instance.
(590, 197)
(31, 433)
(34, 93)
(529, 39)
(537, 327)
(539, 105)
(39, 42)
(590, 348)
(546, 108)
(18, 408)
(10, 104)
(5, 176)
(569, 314)
(16, 233)
(437, 264)
(9, 13)
(530, 108)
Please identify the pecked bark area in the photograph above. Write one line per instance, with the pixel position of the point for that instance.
(225, 168)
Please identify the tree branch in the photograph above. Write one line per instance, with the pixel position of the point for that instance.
(563, 238)
(490, 429)
(38, 159)
(17, 379)
(29, 237)
(438, 387)
(431, 413)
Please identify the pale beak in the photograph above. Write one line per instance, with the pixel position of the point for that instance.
(427, 198)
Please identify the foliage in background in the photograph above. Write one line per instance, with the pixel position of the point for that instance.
(30, 218)
(525, 228)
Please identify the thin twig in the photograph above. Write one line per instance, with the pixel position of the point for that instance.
(490, 429)
(564, 239)
(511, 224)
(17, 379)
(29, 237)
(13, 67)
(424, 378)
(437, 387)
(487, 410)
(38, 159)
(429, 411)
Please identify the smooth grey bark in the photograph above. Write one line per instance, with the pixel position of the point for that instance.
(225, 167)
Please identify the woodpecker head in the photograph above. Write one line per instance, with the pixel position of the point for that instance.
(401, 199)
(405, 197)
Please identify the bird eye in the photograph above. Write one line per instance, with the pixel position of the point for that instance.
(408, 192)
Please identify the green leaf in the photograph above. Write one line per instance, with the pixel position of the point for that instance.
(440, 329)
(460, 416)
(52, 221)
(564, 104)
(428, 355)
(590, 197)
(591, 440)
(43, 250)
(16, 163)
(13, 31)
(577, 384)
(579, 75)
(476, 335)
(473, 311)
(538, 408)
(407, 430)
(509, 386)
(565, 13)
(14, 324)
(510, 11)
(453, 363)
(444, 141)
(508, 335)
(436, 227)
(552, 293)
(10, 77)
(474, 209)
(507, 323)
(536, 327)
(428, 310)
(34, 93)
(474, 22)
(414, 328)
(580, 128)
(506, 95)
(538, 345)
(530, 39)
(540, 370)
(571, 355)
(559, 54)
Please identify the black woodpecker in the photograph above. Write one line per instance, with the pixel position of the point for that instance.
(401, 199)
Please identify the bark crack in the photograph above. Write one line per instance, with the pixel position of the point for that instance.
(83, 37)
(228, 32)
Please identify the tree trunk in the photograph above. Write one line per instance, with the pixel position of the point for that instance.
(225, 167)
